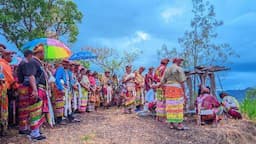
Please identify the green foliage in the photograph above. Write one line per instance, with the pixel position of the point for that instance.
(198, 45)
(85, 64)
(248, 106)
(23, 20)
(164, 52)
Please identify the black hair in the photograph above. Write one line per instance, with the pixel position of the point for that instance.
(27, 53)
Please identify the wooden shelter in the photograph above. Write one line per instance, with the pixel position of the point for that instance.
(198, 77)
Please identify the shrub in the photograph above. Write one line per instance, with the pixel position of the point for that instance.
(248, 106)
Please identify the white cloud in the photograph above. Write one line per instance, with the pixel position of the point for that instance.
(142, 35)
(169, 14)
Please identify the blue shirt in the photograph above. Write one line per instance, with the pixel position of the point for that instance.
(60, 75)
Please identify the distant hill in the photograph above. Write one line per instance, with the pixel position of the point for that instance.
(238, 94)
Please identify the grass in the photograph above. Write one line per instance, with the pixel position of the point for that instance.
(88, 137)
(248, 106)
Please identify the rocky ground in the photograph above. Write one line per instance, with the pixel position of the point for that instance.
(113, 127)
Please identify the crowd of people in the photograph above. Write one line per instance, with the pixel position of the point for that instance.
(37, 92)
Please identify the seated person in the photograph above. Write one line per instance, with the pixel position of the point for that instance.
(208, 106)
(230, 105)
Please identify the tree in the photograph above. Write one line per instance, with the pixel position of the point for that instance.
(109, 58)
(164, 52)
(198, 45)
(24, 20)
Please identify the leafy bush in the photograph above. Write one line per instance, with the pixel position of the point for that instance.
(248, 106)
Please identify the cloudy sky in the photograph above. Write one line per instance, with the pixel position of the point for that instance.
(147, 24)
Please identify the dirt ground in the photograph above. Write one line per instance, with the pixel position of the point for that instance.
(113, 127)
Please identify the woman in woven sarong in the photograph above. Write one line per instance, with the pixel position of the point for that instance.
(174, 93)
(231, 106)
(160, 99)
(139, 85)
(97, 91)
(85, 84)
(129, 81)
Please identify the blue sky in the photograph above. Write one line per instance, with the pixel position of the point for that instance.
(147, 24)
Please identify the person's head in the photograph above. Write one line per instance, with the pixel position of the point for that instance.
(128, 69)
(223, 94)
(82, 71)
(141, 69)
(178, 61)
(38, 51)
(2, 48)
(88, 72)
(107, 73)
(165, 61)
(65, 64)
(205, 90)
(114, 76)
(7, 55)
(150, 70)
(95, 74)
(28, 54)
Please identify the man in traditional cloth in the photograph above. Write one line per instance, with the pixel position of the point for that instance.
(71, 85)
(129, 82)
(59, 92)
(107, 88)
(174, 92)
(160, 99)
(7, 83)
(32, 93)
(140, 85)
(231, 106)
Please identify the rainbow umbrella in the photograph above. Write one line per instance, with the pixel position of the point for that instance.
(53, 49)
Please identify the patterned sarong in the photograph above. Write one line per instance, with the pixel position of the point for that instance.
(30, 111)
(174, 103)
(160, 105)
(58, 102)
(23, 104)
(36, 117)
(83, 100)
(3, 107)
(140, 99)
(130, 96)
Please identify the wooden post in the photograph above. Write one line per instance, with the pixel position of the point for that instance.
(213, 83)
(190, 87)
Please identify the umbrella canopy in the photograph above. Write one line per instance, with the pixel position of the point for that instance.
(16, 60)
(53, 49)
(83, 56)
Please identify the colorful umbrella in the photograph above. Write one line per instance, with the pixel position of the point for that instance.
(83, 56)
(54, 49)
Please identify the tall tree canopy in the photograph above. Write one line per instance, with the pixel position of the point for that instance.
(23, 20)
(198, 46)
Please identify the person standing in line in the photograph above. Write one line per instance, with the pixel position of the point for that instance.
(33, 92)
(174, 93)
(130, 93)
(140, 84)
(7, 82)
(160, 99)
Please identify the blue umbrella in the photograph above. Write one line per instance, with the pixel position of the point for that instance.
(83, 56)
